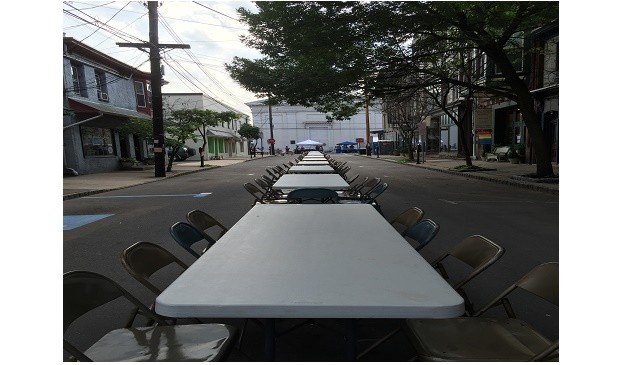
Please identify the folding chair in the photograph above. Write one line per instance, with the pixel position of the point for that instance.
(204, 221)
(186, 235)
(317, 195)
(407, 219)
(491, 339)
(422, 232)
(85, 292)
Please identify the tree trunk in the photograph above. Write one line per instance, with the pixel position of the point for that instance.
(526, 103)
(463, 143)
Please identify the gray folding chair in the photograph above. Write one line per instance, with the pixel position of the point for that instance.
(491, 339)
(422, 232)
(86, 292)
(205, 222)
(312, 195)
(407, 219)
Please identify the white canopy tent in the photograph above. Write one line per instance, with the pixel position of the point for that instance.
(309, 142)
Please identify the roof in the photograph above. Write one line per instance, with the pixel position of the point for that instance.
(81, 105)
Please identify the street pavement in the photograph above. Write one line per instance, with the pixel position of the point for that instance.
(497, 172)
(292, 347)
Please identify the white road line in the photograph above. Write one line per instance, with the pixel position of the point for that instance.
(200, 195)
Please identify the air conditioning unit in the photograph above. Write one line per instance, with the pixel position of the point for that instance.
(102, 96)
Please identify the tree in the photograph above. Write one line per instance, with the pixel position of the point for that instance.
(337, 54)
(180, 125)
(143, 128)
(251, 133)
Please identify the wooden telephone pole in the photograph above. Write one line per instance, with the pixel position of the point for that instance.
(159, 148)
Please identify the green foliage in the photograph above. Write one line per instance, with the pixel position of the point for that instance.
(131, 160)
(143, 128)
(249, 131)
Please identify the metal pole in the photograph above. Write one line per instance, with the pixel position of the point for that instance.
(271, 126)
(367, 129)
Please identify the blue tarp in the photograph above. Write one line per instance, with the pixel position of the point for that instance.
(347, 143)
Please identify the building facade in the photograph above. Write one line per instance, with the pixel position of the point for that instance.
(100, 95)
(292, 124)
(222, 140)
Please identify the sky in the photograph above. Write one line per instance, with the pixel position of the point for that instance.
(211, 28)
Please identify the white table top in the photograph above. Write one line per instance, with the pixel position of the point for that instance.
(298, 181)
(309, 162)
(314, 153)
(306, 169)
(310, 261)
(309, 158)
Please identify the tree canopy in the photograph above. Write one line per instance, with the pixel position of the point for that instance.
(334, 55)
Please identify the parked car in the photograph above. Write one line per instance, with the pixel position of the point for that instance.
(183, 153)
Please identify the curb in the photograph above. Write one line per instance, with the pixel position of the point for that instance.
(92, 192)
(518, 183)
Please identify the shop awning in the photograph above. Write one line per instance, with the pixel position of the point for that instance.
(216, 133)
(80, 105)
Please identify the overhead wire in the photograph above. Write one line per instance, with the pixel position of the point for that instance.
(99, 27)
(182, 73)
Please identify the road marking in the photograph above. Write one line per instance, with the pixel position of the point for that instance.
(75, 221)
(200, 195)
(455, 202)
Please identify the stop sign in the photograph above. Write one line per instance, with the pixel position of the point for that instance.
(359, 140)
(271, 141)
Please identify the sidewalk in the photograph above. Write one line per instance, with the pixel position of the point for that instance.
(83, 185)
(498, 172)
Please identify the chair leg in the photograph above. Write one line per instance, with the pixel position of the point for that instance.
(468, 306)
(379, 342)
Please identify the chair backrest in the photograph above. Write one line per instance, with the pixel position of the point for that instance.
(186, 236)
(369, 186)
(352, 179)
(542, 281)
(422, 232)
(204, 221)
(84, 291)
(372, 195)
(316, 195)
(256, 193)
(272, 173)
(355, 188)
(143, 259)
(407, 219)
(476, 251)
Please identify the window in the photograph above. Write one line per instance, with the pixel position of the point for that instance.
(97, 141)
(140, 93)
(149, 94)
(78, 79)
(101, 85)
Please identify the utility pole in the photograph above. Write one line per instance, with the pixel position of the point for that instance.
(159, 148)
(367, 128)
(271, 125)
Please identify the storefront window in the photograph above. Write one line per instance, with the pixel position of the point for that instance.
(97, 141)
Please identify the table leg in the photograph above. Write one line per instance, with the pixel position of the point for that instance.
(350, 339)
(270, 339)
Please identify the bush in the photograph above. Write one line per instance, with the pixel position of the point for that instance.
(128, 160)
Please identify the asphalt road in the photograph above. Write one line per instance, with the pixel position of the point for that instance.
(524, 222)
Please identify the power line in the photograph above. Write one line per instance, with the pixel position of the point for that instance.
(112, 17)
(215, 11)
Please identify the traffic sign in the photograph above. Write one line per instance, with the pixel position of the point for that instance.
(271, 141)
(359, 140)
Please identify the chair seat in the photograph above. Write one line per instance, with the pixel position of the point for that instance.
(474, 339)
(195, 342)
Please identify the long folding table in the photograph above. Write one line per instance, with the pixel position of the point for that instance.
(310, 261)
(289, 182)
